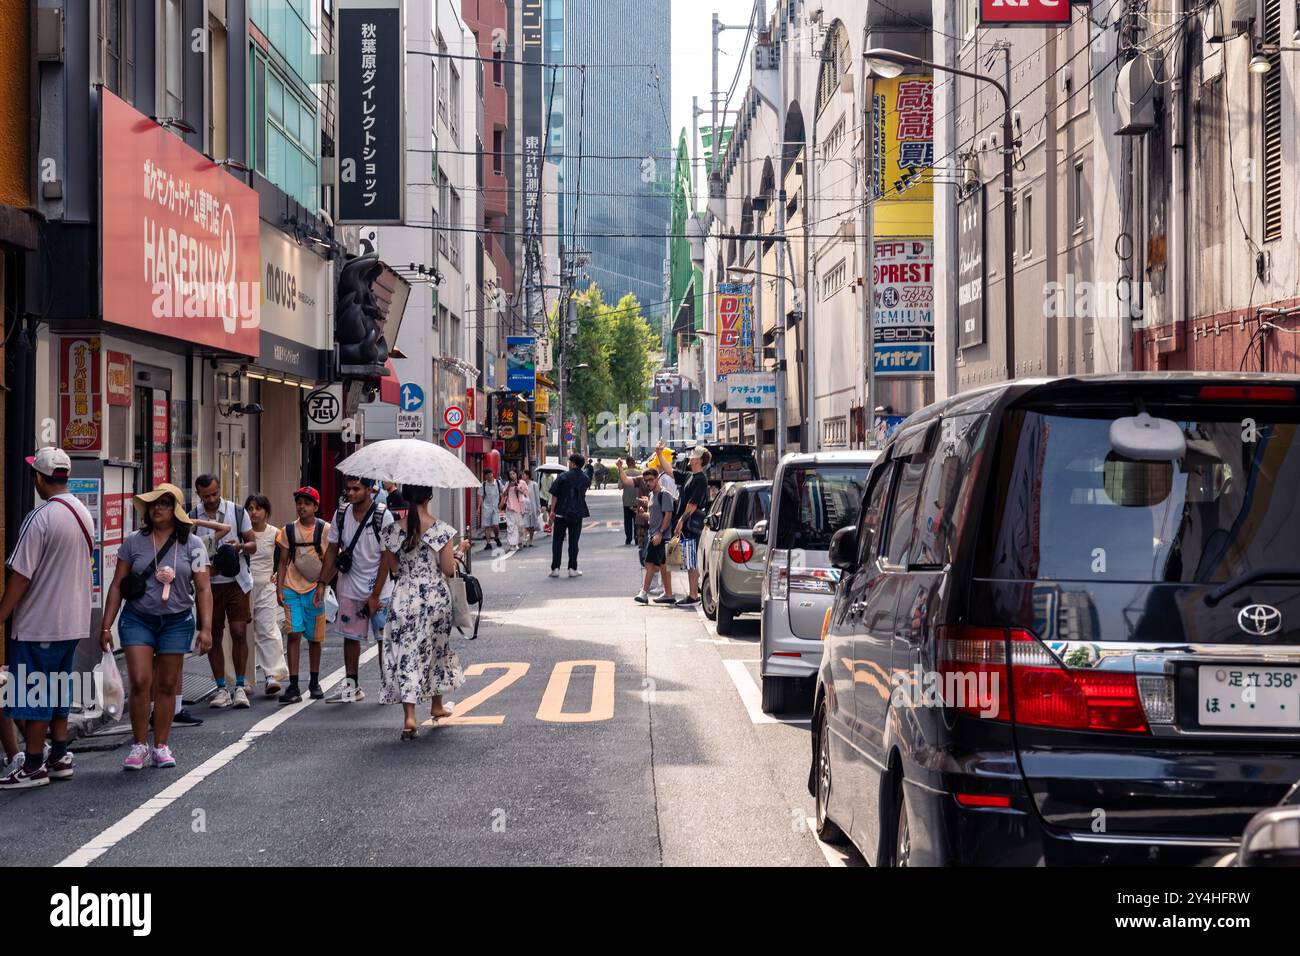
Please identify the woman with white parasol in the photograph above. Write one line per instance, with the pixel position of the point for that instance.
(419, 663)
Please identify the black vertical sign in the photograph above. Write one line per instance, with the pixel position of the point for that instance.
(371, 161)
(972, 269)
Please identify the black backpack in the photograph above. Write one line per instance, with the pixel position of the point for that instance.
(317, 533)
(225, 560)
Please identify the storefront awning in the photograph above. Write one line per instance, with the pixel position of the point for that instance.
(390, 386)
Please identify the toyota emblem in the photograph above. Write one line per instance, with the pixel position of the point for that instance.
(1260, 620)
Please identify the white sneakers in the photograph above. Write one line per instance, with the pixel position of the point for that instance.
(221, 700)
(239, 700)
(554, 574)
(575, 574)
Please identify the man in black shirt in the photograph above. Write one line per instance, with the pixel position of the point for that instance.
(568, 510)
(695, 499)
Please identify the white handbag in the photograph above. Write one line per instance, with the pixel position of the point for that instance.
(459, 602)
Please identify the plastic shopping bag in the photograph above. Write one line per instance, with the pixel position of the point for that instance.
(331, 605)
(109, 679)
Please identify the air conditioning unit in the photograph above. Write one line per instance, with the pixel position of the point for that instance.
(1244, 14)
(848, 230)
(766, 57)
(1135, 95)
(1212, 24)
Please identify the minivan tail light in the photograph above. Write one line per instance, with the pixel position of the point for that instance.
(978, 680)
(777, 584)
(740, 551)
(1248, 393)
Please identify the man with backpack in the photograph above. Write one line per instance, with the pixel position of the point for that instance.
(232, 584)
(302, 559)
(493, 515)
(354, 551)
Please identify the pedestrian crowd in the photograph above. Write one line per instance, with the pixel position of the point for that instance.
(186, 577)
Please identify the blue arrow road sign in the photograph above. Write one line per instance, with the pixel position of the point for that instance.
(412, 398)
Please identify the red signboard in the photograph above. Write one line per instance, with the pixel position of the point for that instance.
(160, 430)
(1037, 12)
(118, 387)
(81, 413)
(114, 513)
(178, 237)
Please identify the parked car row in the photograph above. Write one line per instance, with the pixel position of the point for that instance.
(1053, 622)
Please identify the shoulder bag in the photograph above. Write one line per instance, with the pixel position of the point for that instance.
(135, 584)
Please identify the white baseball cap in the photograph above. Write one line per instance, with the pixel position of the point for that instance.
(49, 460)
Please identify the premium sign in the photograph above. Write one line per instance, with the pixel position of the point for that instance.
(972, 269)
(903, 300)
(178, 237)
(1024, 11)
(371, 132)
(81, 415)
(735, 325)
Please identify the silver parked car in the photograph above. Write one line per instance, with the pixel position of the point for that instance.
(813, 496)
(731, 564)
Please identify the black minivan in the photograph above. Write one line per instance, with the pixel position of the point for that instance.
(1068, 627)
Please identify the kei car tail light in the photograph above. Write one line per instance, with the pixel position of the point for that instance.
(777, 584)
(988, 671)
(740, 551)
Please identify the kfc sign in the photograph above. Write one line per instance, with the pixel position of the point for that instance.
(1027, 12)
(178, 237)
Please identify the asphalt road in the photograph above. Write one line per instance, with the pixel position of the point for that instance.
(591, 731)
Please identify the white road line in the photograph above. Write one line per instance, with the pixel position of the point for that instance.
(133, 821)
(752, 698)
(749, 693)
(834, 855)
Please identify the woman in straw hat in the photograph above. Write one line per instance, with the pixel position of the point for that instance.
(162, 574)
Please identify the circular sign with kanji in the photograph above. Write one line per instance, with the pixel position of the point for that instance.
(506, 432)
(454, 416)
(454, 438)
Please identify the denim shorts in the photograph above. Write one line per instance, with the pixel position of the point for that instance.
(39, 686)
(165, 633)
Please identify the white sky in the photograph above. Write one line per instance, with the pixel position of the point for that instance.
(693, 56)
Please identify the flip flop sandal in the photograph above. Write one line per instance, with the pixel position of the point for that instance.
(409, 733)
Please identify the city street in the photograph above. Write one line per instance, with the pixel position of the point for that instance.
(654, 752)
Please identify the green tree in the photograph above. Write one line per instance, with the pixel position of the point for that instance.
(591, 388)
(630, 342)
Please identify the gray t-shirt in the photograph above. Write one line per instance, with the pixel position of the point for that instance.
(185, 558)
(661, 503)
(54, 554)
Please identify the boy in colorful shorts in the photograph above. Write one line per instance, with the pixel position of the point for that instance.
(302, 553)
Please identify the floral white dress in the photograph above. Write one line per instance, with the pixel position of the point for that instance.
(419, 662)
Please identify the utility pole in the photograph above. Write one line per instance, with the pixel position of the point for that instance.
(781, 364)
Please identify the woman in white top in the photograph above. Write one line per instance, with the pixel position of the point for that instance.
(267, 615)
(514, 505)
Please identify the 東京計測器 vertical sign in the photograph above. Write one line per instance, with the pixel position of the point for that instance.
(371, 137)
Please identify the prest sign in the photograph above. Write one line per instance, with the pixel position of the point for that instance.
(1024, 12)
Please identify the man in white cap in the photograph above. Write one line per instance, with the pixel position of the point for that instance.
(48, 595)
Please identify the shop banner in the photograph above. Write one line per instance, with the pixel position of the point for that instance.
(1024, 12)
(178, 237)
(902, 142)
(521, 363)
(735, 326)
(752, 391)
(161, 459)
(372, 112)
(903, 283)
(81, 413)
(119, 378)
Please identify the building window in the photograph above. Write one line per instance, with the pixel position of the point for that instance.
(1027, 224)
(117, 47)
(454, 121)
(498, 69)
(441, 70)
(1079, 198)
(444, 207)
(291, 27)
(835, 432)
(834, 279)
(499, 152)
(835, 60)
(835, 140)
(284, 132)
(171, 62)
(453, 227)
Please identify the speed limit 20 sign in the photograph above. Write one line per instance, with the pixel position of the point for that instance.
(454, 416)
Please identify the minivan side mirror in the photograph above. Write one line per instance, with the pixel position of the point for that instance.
(844, 549)
(760, 532)
(713, 522)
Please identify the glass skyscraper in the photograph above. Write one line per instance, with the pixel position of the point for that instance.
(620, 106)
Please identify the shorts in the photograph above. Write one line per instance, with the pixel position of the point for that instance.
(165, 633)
(230, 603)
(690, 549)
(40, 679)
(656, 554)
(303, 615)
(354, 627)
